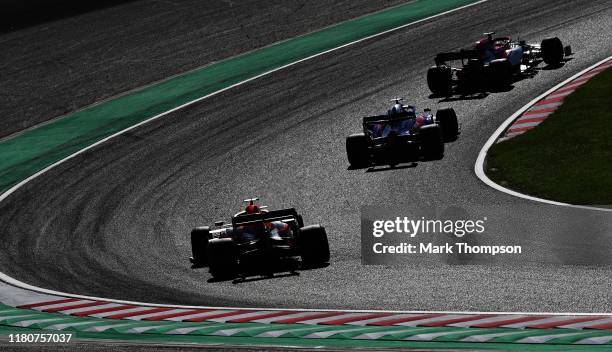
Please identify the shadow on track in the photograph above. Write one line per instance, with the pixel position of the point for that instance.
(481, 93)
(283, 270)
(17, 14)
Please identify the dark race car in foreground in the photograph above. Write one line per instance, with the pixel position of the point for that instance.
(258, 241)
(401, 135)
(491, 63)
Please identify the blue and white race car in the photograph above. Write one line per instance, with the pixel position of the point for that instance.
(402, 134)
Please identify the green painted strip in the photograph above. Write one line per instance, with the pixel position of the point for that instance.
(18, 318)
(8, 313)
(33, 150)
(170, 328)
(575, 338)
(8, 310)
(124, 326)
(403, 333)
(459, 335)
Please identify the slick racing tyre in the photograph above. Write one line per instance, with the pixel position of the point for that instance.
(500, 73)
(439, 80)
(357, 150)
(199, 245)
(313, 245)
(432, 143)
(222, 258)
(447, 119)
(552, 51)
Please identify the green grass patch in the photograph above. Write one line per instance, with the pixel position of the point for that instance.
(568, 157)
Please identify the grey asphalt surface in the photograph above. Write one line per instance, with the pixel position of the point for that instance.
(58, 67)
(114, 222)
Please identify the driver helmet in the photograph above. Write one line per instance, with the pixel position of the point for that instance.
(396, 109)
(252, 209)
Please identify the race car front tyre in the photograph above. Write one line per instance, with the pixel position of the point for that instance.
(500, 73)
(357, 150)
(432, 143)
(222, 258)
(439, 80)
(313, 245)
(552, 51)
(199, 245)
(447, 118)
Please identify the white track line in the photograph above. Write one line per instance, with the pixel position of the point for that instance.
(482, 156)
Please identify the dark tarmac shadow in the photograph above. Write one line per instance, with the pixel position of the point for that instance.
(410, 164)
(281, 271)
(377, 168)
(263, 277)
(460, 97)
(18, 14)
(478, 94)
(555, 67)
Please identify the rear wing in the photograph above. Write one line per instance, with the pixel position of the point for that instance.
(462, 54)
(273, 215)
(386, 118)
(377, 118)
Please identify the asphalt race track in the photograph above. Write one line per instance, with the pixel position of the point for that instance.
(57, 67)
(114, 222)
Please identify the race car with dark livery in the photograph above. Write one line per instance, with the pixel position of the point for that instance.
(258, 241)
(401, 135)
(493, 62)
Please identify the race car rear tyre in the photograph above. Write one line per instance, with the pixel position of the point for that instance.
(552, 51)
(501, 73)
(432, 143)
(439, 80)
(313, 245)
(199, 245)
(222, 258)
(447, 118)
(357, 150)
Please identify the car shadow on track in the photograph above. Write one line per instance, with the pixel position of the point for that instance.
(399, 165)
(472, 95)
(378, 168)
(477, 94)
(555, 67)
(280, 272)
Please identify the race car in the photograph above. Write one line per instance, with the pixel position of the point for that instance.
(258, 241)
(490, 63)
(401, 135)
